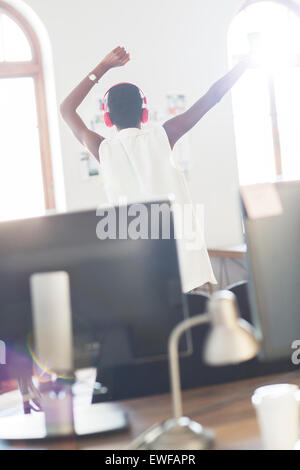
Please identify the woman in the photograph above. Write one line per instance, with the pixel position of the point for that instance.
(137, 163)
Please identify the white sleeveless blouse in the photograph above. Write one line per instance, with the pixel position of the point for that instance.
(137, 166)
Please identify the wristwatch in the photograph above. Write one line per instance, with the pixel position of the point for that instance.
(93, 78)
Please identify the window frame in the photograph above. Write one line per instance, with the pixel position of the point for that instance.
(33, 69)
(295, 8)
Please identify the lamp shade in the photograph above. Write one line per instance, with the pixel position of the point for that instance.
(230, 340)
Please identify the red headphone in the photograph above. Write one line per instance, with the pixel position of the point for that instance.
(107, 119)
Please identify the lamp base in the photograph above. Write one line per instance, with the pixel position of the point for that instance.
(91, 420)
(176, 434)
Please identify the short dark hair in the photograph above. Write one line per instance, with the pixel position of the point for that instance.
(125, 105)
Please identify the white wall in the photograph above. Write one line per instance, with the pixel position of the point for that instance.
(175, 45)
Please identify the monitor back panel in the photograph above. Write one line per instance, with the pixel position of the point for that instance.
(126, 294)
(274, 269)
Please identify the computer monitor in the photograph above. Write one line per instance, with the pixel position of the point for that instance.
(126, 294)
(274, 269)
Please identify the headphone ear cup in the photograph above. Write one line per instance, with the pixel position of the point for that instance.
(107, 120)
(145, 117)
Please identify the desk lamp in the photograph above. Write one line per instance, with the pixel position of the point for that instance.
(231, 340)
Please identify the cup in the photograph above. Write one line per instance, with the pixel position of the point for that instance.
(277, 410)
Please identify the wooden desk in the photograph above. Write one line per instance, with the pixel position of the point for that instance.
(226, 409)
(233, 252)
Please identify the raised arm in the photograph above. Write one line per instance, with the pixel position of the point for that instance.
(91, 140)
(181, 124)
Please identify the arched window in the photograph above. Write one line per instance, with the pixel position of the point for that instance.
(26, 183)
(266, 101)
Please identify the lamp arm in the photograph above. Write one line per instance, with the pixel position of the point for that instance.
(174, 359)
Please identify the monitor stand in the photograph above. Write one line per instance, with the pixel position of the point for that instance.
(88, 420)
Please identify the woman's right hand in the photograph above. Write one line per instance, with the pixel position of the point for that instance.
(116, 58)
